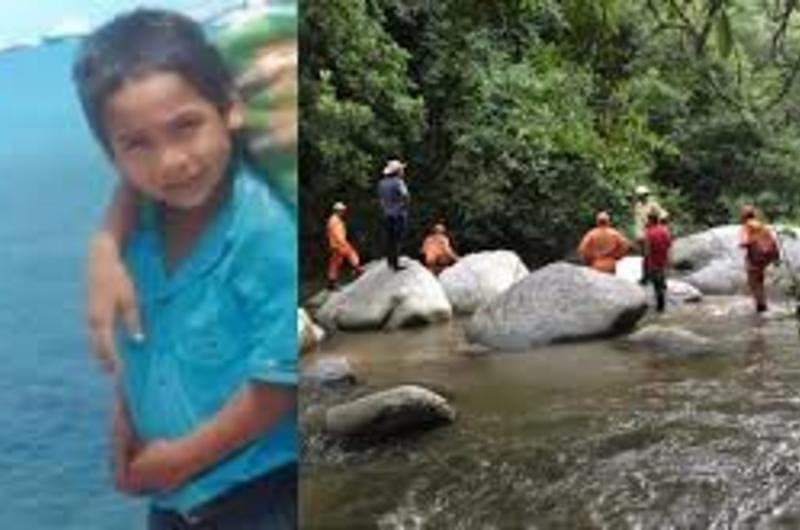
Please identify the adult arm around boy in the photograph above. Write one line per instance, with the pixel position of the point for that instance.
(109, 287)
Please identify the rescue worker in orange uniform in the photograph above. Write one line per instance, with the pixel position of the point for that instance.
(437, 253)
(602, 246)
(761, 250)
(341, 250)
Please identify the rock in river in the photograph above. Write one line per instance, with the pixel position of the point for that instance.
(389, 412)
(477, 278)
(560, 302)
(382, 298)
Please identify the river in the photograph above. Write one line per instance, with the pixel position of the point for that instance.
(591, 435)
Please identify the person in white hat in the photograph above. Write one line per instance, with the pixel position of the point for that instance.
(394, 197)
(340, 248)
(644, 204)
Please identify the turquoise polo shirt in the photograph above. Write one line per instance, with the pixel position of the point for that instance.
(223, 318)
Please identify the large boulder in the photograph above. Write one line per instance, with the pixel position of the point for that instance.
(714, 263)
(672, 341)
(309, 335)
(560, 302)
(383, 298)
(389, 412)
(477, 278)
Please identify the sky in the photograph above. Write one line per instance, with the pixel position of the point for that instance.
(25, 20)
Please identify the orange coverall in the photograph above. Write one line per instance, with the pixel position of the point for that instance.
(340, 248)
(601, 247)
(437, 252)
(753, 232)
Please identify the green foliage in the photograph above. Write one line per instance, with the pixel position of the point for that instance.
(522, 118)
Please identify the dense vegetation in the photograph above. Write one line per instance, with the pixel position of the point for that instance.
(521, 118)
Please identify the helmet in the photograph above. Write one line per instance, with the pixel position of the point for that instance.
(747, 212)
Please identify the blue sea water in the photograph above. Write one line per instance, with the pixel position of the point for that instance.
(54, 400)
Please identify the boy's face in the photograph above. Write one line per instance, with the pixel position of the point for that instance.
(168, 141)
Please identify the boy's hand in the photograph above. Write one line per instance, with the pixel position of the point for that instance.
(161, 465)
(124, 446)
(109, 289)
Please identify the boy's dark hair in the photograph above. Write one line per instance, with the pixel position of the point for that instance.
(142, 42)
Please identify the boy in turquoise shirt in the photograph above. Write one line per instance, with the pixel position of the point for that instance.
(204, 418)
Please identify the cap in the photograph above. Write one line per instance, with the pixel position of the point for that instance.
(339, 206)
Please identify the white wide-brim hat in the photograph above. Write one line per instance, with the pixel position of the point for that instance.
(393, 166)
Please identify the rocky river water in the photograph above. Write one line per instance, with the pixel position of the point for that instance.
(599, 434)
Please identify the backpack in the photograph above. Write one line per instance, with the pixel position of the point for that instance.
(763, 250)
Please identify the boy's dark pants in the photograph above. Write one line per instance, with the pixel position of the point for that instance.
(265, 503)
(659, 280)
(395, 226)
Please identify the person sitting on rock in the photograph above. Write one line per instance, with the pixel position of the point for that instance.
(657, 242)
(602, 246)
(340, 248)
(437, 253)
(761, 250)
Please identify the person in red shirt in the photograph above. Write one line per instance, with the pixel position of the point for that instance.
(340, 248)
(657, 242)
(602, 246)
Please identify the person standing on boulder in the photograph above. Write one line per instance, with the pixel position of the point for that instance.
(394, 197)
(761, 250)
(437, 253)
(657, 242)
(602, 246)
(340, 248)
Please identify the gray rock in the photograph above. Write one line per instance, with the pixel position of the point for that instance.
(329, 371)
(560, 302)
(680, 292)
(695, 251)
(477, 278)
(721, 276)
(382, 298)
(390, 412)
(309, 335)
(715, 263)
(672, 341)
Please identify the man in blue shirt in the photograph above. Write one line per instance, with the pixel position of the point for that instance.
(393, 195)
